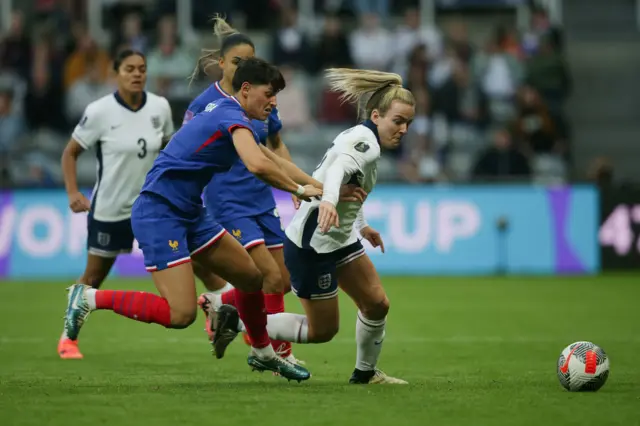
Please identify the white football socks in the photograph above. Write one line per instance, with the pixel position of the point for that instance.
(292, 328)
(369, 338)
(224, 289)
(91, 301)
(91, 298)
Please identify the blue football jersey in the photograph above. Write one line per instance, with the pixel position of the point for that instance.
(196, 152)
(236, 193)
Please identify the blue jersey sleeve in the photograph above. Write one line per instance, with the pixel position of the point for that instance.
(275, 125)
(234, 119)
(192, 110)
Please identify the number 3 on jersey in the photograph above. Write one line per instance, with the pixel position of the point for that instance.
(142, 143)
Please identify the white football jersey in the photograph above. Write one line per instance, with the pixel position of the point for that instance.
(127, 143)
(352, 158)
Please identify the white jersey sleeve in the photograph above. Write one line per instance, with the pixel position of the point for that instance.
(352, 158)
(91, 126)
(361, 222)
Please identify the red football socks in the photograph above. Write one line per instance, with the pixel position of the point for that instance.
(274, 303)
(253, 314)
(229, 297)
(137, 305)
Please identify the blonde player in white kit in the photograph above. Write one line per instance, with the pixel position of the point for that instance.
(323, 250)
(127, 129)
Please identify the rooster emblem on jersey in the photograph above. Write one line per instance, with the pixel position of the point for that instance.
(237, 233)
(173, 244)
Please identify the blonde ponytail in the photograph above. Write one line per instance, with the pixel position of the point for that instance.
(209, 58)
(368, 89)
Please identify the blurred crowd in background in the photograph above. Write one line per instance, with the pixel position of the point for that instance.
(490, 102)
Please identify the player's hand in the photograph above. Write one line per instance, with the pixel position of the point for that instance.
(373, 236)
(296, 201)
(310, 192)
(351, 193)
(327, 217)
(78, 203)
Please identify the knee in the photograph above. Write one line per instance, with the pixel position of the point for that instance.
(322, 334)
(253, 280)
(182, 318)
(272, 282)
(376, 310)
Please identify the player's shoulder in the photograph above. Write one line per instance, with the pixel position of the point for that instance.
(208, 96)
(157, 100)
(360, 139)
(107, 102)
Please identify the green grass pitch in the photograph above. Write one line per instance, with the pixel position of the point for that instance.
(476, 351)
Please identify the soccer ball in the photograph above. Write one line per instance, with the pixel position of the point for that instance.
(583, 366)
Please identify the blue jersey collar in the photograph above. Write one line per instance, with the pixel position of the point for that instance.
(225, 94)
(126, 105)
(372, 126)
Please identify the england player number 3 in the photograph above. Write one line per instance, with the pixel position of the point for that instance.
(143, 148)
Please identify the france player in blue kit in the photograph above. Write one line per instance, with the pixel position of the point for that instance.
(240, 202)
(172, 226)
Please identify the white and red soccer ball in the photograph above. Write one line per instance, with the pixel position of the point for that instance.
(583, 366)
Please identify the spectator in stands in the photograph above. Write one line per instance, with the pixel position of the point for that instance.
(44, 100)
(376, 7)
(548, 73)
(454, 94)
(502, 160)
(84, 91)
(458, 36)
(15, 47)
(290, 45)
(131, 35)
(601, 172)
(87, 54)
(12, 126)
(540, 27)
(499, 75)
(411, 34)
(293, 103)
(371, 44)
(534, 126)
(332, 49)
(169, 64)
(418, 68)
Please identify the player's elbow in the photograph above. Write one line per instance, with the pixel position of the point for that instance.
(72, 151)
(260, 166)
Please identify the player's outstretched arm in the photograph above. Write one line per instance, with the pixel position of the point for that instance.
(77, 201)
(258, 164)
(343, 166)
(291, 169)
(348, 193)
(275, 145)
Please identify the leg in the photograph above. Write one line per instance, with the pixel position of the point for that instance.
(359, 279)
(313, 280)
(274, 236)
(105, 240)
(163, 240)
(97, 269)
(254, 233)
(232, 262)
(211, 281)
